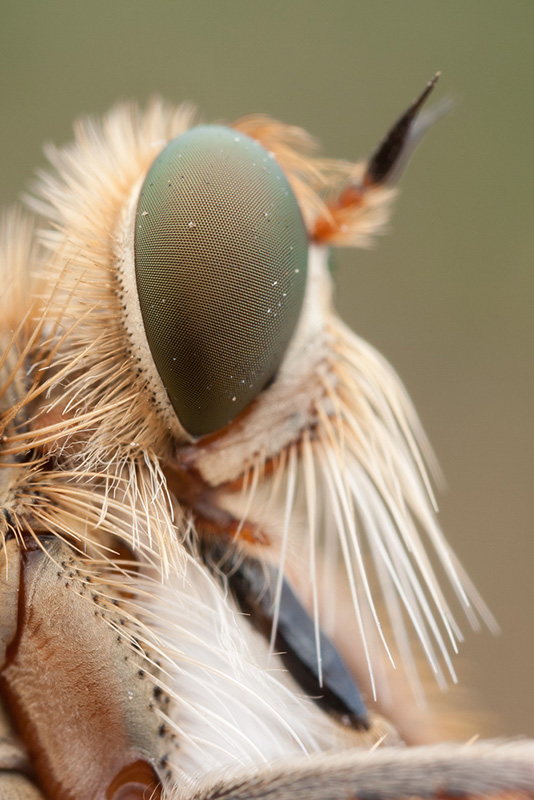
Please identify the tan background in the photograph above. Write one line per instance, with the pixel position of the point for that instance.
(447, 296)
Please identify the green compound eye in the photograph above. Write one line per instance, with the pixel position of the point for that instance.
(220, 261)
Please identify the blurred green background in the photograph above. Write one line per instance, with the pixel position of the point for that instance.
(447, 296)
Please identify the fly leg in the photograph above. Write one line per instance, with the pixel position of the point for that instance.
(438, 772)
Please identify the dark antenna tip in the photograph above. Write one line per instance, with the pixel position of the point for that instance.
(394, 149)
(426, 91)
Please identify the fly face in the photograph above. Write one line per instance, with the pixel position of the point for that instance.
(189, 433)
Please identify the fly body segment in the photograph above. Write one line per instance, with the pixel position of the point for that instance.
(217, 529)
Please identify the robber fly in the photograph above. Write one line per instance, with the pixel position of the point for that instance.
(215, 517)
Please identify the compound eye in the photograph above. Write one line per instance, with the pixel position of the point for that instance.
(220, 262)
